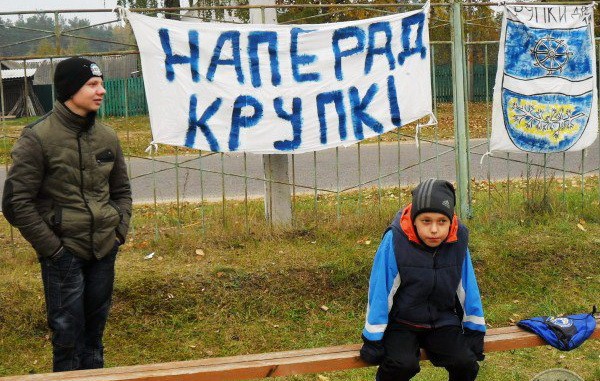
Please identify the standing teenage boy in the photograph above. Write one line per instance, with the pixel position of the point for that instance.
(68, 193)
(423, 292)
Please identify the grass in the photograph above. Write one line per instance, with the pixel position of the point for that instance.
(135, 133)
(217, 286)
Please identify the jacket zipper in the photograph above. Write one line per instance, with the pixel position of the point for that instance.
(433, 288)
(81, 188)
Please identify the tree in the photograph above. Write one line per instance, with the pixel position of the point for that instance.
(172, 4)
(36, 35)
(44, 48)
(123, 34)
(152, 4)
(77, 46)
(138, 3)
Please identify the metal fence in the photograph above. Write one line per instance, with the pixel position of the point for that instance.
(127, 97)
(345, 179)
(118, 90)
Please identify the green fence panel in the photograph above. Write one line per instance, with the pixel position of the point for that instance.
(443, 83)
(124, 96)
(121, 101)
(479, 82)
(136, 97)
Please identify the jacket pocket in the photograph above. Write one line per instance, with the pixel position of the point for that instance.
(106, 156)
(116, 207)
(56, 221)
(52, 216)
(75, 222)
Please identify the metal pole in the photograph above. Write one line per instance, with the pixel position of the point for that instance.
(57, 33)
(461, 131)
(202, 206)
(338, 209)
(52, 85)
(488, 131)
(25, 91)
(13, 246)
(359, 205)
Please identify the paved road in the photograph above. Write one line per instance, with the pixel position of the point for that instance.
(332, 173)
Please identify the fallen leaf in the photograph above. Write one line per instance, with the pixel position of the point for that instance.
(580, 226)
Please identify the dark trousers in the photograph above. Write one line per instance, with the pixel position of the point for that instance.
(445, 346)
(78, 297)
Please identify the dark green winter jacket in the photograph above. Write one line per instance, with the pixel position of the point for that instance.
(68, 186)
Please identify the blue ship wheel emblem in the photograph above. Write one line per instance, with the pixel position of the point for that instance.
(551, 54)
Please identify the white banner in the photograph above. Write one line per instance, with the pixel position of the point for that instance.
(283, 88)
(545, 97)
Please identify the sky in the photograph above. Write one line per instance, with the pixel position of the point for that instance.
(32, 5)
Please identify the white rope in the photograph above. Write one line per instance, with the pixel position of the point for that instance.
(152, 148)
(121, 14)
(488, 153)
(431, 122)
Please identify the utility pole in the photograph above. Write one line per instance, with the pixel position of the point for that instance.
(278, 203)
(461, 130)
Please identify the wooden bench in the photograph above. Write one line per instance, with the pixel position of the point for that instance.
(264, 365)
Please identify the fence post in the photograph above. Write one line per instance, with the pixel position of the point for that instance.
(278, 204)
(461, 131)
(57, 33)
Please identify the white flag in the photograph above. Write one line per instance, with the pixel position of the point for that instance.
(283, 88)
(545, 96)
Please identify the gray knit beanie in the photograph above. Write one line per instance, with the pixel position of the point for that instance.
(433, 196)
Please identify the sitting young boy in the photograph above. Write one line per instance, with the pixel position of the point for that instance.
(423, 292)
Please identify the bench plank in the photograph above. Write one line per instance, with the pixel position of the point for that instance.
(263, 365)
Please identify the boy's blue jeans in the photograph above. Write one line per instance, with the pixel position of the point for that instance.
(78, 297)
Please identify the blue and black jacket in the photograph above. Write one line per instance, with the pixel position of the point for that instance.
(421, 288)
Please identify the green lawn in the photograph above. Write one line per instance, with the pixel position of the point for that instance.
(223, 287)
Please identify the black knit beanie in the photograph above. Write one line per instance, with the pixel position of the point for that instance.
(71, 74)
(433, 196)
